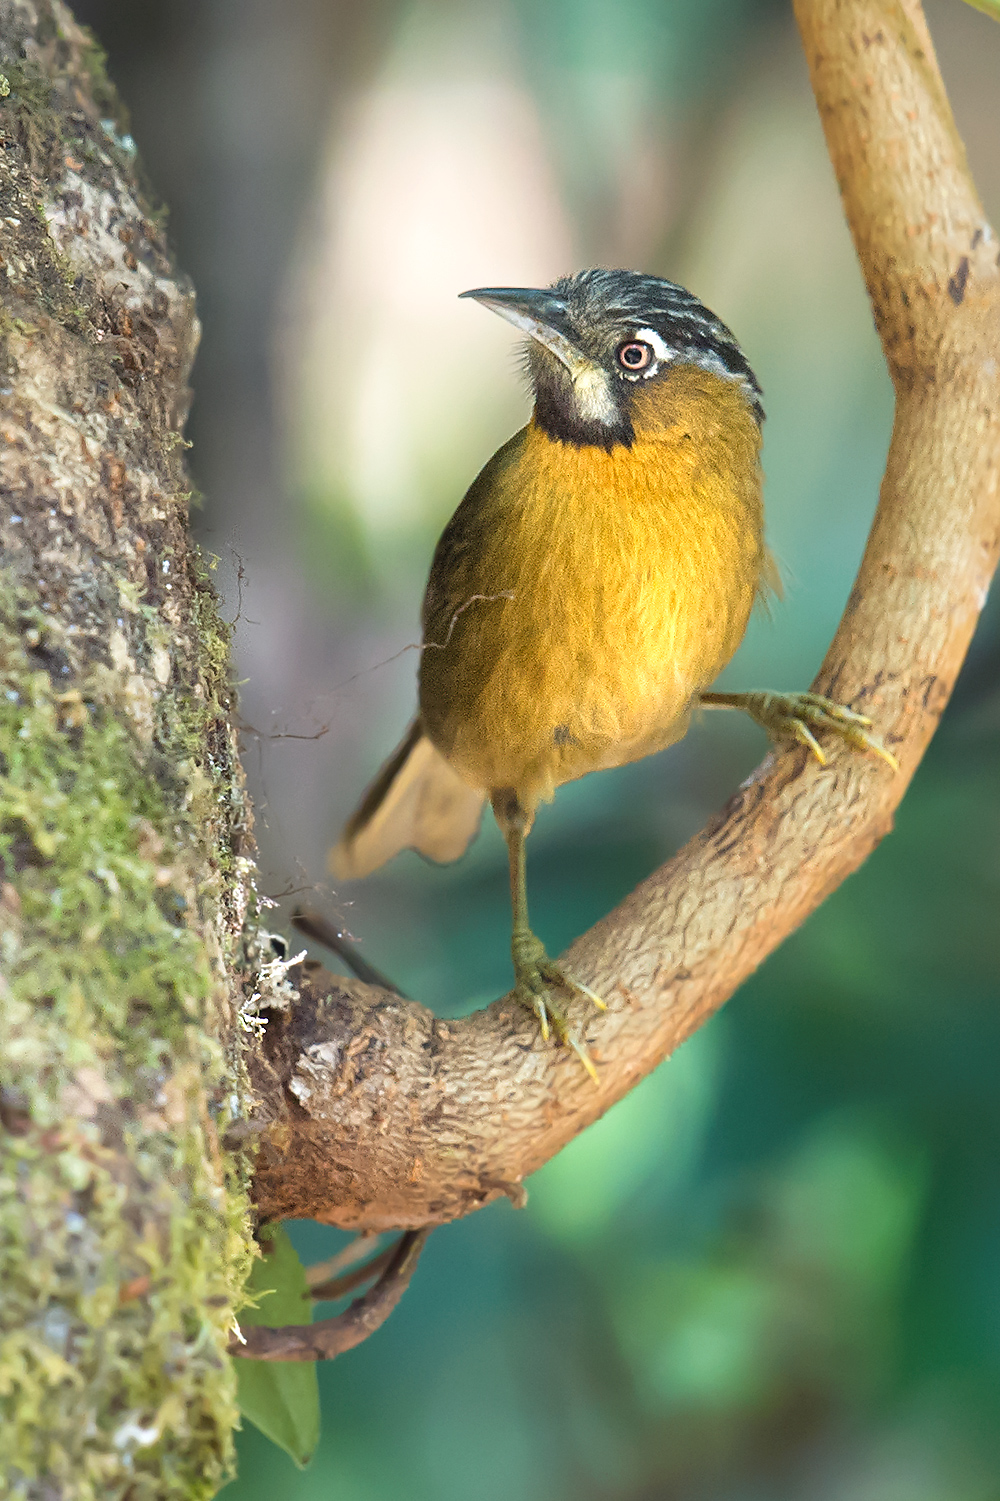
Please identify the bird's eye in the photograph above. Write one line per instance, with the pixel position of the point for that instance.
(635, 356)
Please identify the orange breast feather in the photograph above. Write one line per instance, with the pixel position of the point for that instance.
(579, 599)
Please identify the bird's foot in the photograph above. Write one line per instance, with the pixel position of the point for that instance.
(794, 716)
(535, 978)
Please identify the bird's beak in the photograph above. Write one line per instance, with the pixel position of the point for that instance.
(540, 313)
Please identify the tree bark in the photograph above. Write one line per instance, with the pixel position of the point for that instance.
(125, 887)
(135, 985)
(385, 1116)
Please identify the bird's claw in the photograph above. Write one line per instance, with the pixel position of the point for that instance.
(536, 978)
(803, 712)
(794, 716)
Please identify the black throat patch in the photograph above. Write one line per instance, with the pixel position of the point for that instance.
(557, 414)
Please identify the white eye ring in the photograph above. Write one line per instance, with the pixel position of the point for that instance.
(635, 356)
(659, 352)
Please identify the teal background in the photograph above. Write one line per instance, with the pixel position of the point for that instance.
(773, 1271)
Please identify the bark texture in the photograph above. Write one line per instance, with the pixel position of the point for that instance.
(124, 882)
(384, 1116)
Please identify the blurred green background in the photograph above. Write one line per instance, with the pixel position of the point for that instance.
(774, 1270)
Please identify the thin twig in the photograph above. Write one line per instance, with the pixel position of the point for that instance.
(315, 926)
(322, 1271)
(337, 1287)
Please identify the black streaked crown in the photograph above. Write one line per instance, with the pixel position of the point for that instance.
(600, 303)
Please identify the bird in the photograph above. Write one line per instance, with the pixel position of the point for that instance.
(596, 578)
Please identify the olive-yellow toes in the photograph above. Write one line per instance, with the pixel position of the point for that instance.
(536, 976)
(794, 716)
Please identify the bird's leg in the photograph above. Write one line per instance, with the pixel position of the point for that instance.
(535, 974)
(794, 716)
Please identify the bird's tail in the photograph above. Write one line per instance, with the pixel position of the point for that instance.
(417, 802)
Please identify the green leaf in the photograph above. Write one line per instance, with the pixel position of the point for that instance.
(280, 1397)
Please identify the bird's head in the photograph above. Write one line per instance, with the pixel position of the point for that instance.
(600, 338)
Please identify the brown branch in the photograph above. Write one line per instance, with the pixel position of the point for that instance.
(330, 1337)
(391, 1117)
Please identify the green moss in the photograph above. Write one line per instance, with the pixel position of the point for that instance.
(42, 103)
(43, 272)
(121, 1251)
(45, 120)
(30, 88)
(191, 720)
(29, 105)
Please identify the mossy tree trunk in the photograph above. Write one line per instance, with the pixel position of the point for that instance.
(124, 830)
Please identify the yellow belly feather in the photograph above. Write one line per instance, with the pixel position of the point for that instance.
(580, 599)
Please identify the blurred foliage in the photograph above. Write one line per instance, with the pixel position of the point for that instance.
(772, 1273)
